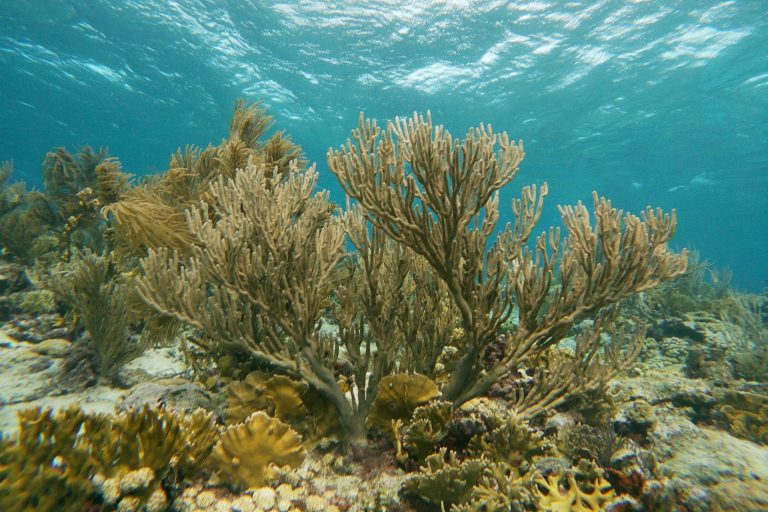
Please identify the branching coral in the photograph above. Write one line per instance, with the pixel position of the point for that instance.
(439, 197)
(427, 276)
(502, 489)
(24, 216)
(99, 296)
(152, 215)
(513, 443)
(562, 492)
(747, 335)
(427, 428)
(261, 276)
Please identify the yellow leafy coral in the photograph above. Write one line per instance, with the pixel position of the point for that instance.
(398, 396)
(249, 452)
(65, 460)
(276, 395)
(562, 493)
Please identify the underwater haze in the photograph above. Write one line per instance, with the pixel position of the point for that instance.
(648, 102)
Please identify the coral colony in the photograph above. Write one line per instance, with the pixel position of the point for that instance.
(406, 335)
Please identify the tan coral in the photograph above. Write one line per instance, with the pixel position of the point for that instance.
(439, 197)
(249, 451)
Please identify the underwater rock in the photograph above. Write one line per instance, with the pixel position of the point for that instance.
(152, 364)
(313, 486)
(636, 417)
(54, 347)
(708, 362)
(6, 341)
(746, 414)
(126, 378)
(703, 467)
(162, 362)
(680, 329)
(80, 369)
(176, 395)
(657, 386)
(264, 498)
(12, 277)
(35, 327)
(25, 375)
(738, 496)
(697, 458)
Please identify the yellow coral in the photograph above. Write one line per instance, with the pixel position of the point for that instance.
(444, 479)
(398, 396)
(429, 426)
(249, 452)
(562, 493)
(746, 413)
(286, 399)
(276, 395)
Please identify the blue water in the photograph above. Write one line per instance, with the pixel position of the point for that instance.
(647, 102)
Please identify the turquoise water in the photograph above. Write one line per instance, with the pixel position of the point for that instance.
(662, 103)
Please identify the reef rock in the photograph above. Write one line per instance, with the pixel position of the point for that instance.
(177, 395)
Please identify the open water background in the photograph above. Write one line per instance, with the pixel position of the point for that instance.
(647, 102)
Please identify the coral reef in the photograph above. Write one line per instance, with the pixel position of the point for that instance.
(563, 492)
(401, 353)
(746, 414)
(444, 479)
(427, 428)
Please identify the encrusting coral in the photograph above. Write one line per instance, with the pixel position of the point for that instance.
(286, 399)
(398, 396)
(71, 460)
(746, 414)
(276, 395)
